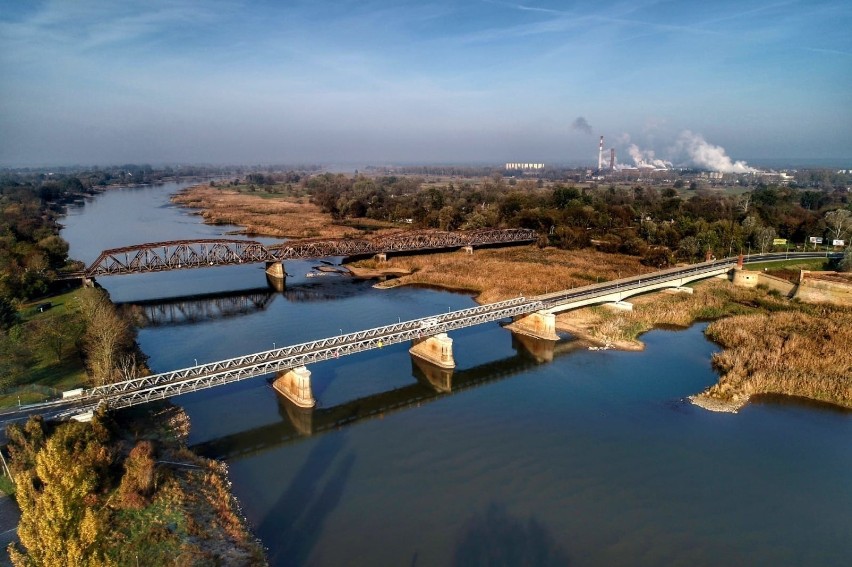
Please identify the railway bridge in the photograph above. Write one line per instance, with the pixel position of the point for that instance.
(189, 254)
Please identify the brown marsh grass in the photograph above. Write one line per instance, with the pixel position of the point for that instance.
(501, 273)
(278, 216)
(795, 353)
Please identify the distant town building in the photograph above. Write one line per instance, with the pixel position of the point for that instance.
(525, 166)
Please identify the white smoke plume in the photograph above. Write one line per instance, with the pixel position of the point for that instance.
(582, 124)
(647, 158)
(704, 154)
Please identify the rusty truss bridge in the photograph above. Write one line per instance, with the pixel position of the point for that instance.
(188, 254)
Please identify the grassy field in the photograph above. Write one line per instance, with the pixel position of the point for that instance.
(814, 264)
(48, 376)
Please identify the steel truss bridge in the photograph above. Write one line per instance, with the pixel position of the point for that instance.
(188, 254)
(174, 383)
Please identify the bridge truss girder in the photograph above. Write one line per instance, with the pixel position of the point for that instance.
(145, 389)
(188, 254)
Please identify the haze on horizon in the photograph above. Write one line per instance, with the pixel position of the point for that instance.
(230, 81)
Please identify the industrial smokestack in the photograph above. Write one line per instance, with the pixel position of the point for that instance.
(612, 159)
(600, 155)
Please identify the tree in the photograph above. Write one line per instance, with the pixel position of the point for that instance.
(57, 333)
(689, 247)
(8, 314)
(846, 261)
(16, 359)
(764, 237)
(107, 335)
(838, 222)
(59, 524)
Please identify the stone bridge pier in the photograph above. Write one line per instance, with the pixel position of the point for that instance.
(295, 385)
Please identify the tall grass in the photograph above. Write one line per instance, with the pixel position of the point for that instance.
(500, 273)
(805, 353)
(277, 216)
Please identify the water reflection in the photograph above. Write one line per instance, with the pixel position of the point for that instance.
(200, 308)
(302, 510)
(192, 309)
(497, 538)
(432, 384)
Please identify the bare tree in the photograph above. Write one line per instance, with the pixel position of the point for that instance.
(838, 222)
(764, 237)
(106, 337)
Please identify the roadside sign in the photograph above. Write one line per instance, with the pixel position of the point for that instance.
(816, 239)
(838, 243)
(779, 241)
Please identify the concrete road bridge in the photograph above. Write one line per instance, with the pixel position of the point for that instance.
(190, 254)
(431, 383)
(534, 317)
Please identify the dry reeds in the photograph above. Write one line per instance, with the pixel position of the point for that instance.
(501, 273)
(807, 354)
(283, 217)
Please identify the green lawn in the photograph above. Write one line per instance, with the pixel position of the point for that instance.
(48, 376)
(814, 264)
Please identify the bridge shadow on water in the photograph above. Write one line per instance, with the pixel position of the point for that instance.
(495, 538)
(432, 383)
(297, 518)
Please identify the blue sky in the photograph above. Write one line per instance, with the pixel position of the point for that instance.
(225, 81)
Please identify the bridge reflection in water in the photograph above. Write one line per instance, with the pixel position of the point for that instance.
(432, 383)
(200, 308)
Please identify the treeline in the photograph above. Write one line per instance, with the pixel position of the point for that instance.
(31, 251)
(32, 255)
(660, 225)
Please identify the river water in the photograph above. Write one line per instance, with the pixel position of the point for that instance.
(592, 458)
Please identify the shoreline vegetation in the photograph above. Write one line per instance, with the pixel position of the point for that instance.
(123, 490)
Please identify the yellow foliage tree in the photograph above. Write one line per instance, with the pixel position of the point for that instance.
(61, 522)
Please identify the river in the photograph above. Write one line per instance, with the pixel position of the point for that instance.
(591, 459)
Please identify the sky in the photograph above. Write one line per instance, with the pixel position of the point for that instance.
(443, 81)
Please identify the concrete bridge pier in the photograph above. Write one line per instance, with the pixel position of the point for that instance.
(276, 270)
(467, 249)
(301, 418)
(278, 284)
(619, 305)
(381, 257)
(540, 349)
(540, 324)
(437, 349)
(437, 377)
(295, 385)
